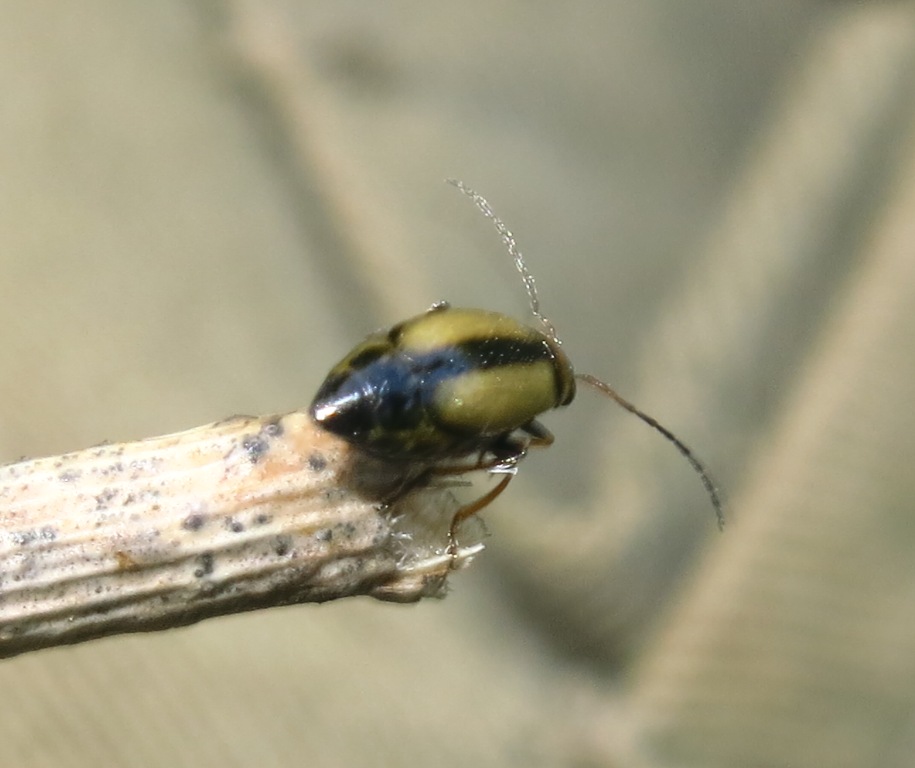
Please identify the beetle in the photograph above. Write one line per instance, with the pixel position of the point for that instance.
(453, 383)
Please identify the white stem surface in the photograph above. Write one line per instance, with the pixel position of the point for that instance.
(246, 513)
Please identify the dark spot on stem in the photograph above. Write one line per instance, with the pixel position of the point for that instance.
(234, 525)
(255, 446)
(272, 428)
(204, 565)
(317, 462)
(282, 546)
(193, 522)
(105, 498)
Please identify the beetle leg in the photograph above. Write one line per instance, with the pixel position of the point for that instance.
(423, 478)
(463, 469)
(471, 509)
(510, 448)
(407, 485)
(505, 456)
(540, 436)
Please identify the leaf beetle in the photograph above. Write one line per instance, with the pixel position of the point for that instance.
(454, 383)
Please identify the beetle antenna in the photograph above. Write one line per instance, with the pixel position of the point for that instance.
(509, 240)
(682, 447)
(528, 279)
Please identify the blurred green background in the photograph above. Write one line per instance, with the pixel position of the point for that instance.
(203, 205)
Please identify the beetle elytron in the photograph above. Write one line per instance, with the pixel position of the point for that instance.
(453, 383)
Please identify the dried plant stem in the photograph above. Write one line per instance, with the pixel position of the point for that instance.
(246, 513)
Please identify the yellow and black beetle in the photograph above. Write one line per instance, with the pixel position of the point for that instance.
(446, 384)
(453, 383)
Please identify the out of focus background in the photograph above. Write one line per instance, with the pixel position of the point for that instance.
(204, 204)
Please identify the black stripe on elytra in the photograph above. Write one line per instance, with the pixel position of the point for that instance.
(366, 357)
(496, 352)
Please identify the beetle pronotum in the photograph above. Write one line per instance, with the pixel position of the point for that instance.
(453, 383)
